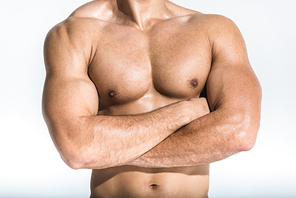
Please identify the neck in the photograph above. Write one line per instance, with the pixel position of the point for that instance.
(142, 11)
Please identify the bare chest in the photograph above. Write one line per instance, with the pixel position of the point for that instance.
(170, 61)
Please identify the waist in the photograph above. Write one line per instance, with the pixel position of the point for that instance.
(129, 181)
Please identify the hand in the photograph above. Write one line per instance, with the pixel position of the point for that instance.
(199, 106)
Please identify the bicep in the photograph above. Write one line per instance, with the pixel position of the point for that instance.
(232, 83)
(235, 88)
(68, 91)
(65, 100)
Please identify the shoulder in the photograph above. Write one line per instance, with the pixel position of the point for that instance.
(75, 32)
(216, 27)
(99, 10)
(70, 41)
(211, 21)
(68, 33)
(198, 18)
(81, 24)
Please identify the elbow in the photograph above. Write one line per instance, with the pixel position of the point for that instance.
(76, 157)
(75, 162)
(82, 159)
(73, 141)
(246, 144)
(246, 135)
(247, 140)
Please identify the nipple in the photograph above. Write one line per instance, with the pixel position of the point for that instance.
(112, 93)
(194, 83)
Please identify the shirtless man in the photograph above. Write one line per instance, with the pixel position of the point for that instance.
(123, 90)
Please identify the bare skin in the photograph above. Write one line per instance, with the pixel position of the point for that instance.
(122, 96)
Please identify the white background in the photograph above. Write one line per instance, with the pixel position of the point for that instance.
(31, 167)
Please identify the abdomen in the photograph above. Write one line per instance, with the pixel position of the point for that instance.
(129, 181)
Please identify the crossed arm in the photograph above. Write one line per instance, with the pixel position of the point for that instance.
(70, 104)
(230, 128)
(234, 97)
(183, 134)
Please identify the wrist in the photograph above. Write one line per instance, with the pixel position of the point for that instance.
(183, 113)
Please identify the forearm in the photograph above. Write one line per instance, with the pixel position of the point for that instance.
(210, 138)
(108, 141)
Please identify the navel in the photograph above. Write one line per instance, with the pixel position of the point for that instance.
(153, 186)
(112, 93)
(193, 83)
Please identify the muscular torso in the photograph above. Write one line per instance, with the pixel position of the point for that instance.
(138, 71)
